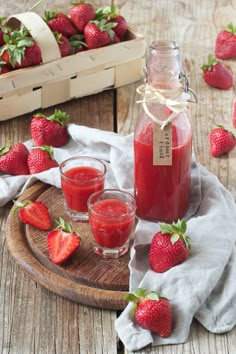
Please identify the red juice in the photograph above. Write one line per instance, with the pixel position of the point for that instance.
(162, 192)
(78, 183)
(112, 222)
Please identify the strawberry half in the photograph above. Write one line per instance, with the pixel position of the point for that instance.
(13, 159)
(221, 141)
(152, 311)
(41, 159)
(33, 213)
(50, 130)
(215, 74)
(225, 46)
(169, 247)
(62, 242)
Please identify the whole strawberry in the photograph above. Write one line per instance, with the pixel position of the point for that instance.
(62, 242)
(112, 14)
(81, 13)
(20, 50)
(98, 34)
(221, 141)
(215, 74)
(41, 159)
(51, 130)
(225, 46)
(13, 159)
(33, 213)
(64, 44)
(152, 311)
(169, 247)
(4, 68)
(60, 22)
(234, 115)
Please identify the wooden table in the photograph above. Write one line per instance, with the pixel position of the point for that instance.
(34, 320)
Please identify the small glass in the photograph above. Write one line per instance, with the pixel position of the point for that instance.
(112, 220)
(80, 177)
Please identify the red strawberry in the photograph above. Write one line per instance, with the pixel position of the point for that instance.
(13, 159)
(41, 159)
(77, 43)
(234, 116)
(81, 13)
(216, 75)
(221, 141)
(225, 46)
(112, 14)
(62, 242)
(59, 22)
(51, 130)
(152, 311)
(64, 44)
(169, 247)
(4, 68)
(33, 213)
(98, 34)
(20, 50)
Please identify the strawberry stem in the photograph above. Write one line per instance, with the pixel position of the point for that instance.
(176, 230)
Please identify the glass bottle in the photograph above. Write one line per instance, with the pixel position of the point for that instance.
(162, 138)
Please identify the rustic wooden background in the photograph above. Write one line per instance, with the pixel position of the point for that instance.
(34, 320)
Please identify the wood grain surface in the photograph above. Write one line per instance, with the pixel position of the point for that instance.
(35, 320)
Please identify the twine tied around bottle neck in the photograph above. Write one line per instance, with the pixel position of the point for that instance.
(166, 98)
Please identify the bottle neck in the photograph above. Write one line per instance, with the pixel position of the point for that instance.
(163, 65)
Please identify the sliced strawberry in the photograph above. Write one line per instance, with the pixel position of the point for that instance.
(33, 213)
(62, 242)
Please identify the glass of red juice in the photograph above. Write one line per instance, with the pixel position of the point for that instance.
(80, 177)
(112, 219)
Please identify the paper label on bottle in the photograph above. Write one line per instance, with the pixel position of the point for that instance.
(162, 145)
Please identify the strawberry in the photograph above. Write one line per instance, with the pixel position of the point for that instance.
(221, 141)
(81, 13)
(77, 43)
(215, 74)
(234, 115)
(64, 44)
(13, 159)
(225, 46)
(3, 67)
(98, 34)
(112, 14)
(41, 159)
(51, 130)
(20, 50)
(62, 242)
(60, 22)
(169, 247)
(152, 311)
(33, 213)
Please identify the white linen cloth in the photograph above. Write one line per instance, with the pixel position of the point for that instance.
(202, 286)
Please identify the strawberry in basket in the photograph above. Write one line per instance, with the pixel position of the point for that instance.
(63, 43)
(20, 50)
(59, 22)
(81, 13)
(112, 14)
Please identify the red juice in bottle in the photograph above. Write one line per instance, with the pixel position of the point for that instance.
(162, 191)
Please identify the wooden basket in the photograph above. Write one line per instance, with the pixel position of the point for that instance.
(58, 79)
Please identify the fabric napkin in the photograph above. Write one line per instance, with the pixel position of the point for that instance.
(202, 286)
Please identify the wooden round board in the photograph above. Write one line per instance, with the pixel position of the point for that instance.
(84, 277)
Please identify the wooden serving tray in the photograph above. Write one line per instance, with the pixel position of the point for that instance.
(84, 277)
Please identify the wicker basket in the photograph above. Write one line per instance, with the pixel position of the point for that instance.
(58, 79)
